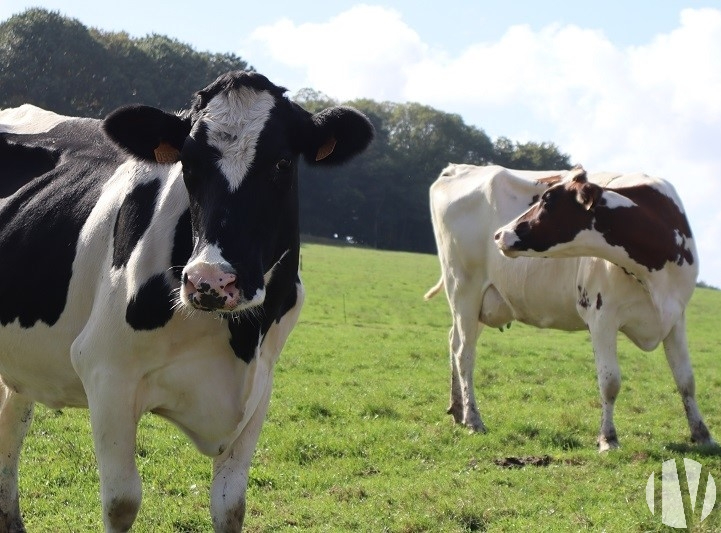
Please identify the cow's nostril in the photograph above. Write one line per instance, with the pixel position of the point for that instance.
(228, 280)
(230, 289)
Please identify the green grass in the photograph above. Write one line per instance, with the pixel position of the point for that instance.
(357, 438)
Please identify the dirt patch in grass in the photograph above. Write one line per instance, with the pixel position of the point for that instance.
(520, 462)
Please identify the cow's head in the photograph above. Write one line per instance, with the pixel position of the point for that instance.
(239, 147)
(558, 217)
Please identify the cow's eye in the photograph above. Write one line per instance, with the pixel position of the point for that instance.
(283, 164)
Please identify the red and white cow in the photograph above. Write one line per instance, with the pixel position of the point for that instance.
(149, 263)
(622, 259)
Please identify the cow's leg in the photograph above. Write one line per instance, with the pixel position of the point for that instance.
(111, 399)
(676, 348)
(231, 470)
(466, 306)
(455, 404)
(609, 382)
(16, 414)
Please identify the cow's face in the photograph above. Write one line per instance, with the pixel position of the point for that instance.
(557, 219)
(239, 148)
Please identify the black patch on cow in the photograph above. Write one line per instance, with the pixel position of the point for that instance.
(245, 333)
(20, 164)
(245, 330)
(133, 219)
(41, 222)
(152, 306)
(182, 245)
(599, 301)
(583, 299)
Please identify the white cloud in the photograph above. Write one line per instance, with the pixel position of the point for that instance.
(653, 107)
(361, 52)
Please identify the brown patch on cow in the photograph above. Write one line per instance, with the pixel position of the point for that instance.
(520, 462)
(539, 229)
(653, 233)
(549, 181)
(121, 513)
(233, 519)
(599, 301)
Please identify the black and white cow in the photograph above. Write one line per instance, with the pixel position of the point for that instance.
(621, 258)
(149, 263)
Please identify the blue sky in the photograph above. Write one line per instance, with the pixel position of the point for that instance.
(619, 85)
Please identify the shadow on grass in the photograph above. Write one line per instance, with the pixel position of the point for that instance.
(705, 450)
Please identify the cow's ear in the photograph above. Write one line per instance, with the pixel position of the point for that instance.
(338, 133)
(147, 132)
(588, 195)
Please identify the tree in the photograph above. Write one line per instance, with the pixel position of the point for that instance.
(57, 63)
(529, 155)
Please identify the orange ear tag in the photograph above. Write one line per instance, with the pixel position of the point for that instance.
(166, 153)
(325, 150)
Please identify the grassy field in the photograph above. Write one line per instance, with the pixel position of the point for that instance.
(357, 438)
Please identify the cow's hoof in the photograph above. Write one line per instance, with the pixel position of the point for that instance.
(706, 443)
(605, 444)
(476, 426)
(700, 435)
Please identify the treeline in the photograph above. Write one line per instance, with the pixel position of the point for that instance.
(381, 200)
(59, 64)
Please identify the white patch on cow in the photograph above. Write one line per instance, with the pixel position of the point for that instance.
(29, 119)
(613, 200)
(680, 240)
(268, 275)
(211, 254)
(235, 121)
(586, 243)
(257, 299)
(506, 241)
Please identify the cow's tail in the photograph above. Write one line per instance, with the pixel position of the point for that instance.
(434, 290)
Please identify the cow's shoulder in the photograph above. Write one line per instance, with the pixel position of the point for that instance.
(50, 177)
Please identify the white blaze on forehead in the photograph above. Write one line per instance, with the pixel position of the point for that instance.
(235, 121)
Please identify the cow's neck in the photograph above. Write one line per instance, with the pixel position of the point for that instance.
(643, 241)
(649, 254)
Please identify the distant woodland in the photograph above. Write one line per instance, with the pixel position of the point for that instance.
(381, 200)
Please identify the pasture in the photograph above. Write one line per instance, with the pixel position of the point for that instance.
(357, 438)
